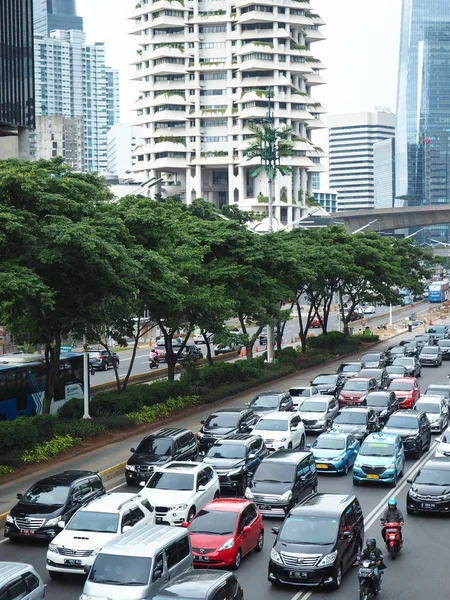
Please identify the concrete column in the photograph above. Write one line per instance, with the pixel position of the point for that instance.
(230, 185)
(242, 184)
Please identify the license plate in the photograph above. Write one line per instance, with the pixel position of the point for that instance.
(373, 477)
(26, 532)
(264, 507)
(321, 466)
(298, 575)
(428, 505)
(158, 519)
(72, 561)
(143, 475)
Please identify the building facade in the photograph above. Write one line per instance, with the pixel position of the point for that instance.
(328, 200)
(384, 173)
(112, 96)
(351, 140)
(204, 71)
(123, 139)
(50, 15)
(17, 104)
(61, 136)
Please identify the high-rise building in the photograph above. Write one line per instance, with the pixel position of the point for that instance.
(328, 200)
(351, 140)
(112, 96)
(50, 15)
(204, 71)
(123, 140)
(16, 77)
(384, 173)
(61, 136)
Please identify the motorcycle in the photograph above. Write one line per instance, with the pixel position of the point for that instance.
(367, 581)
(154, 364)
(392, 539)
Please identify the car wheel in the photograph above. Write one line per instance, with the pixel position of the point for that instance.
(191, 514)
(237, 561)
(394, 483)
(337, 578)
(410, 511)
(420, 450)
(104, 366)
(217, 495)
(56, 575)
(356, 481)
(345, 471)
(289, 446)
(260, 545)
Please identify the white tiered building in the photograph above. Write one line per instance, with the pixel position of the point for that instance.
(204, 69)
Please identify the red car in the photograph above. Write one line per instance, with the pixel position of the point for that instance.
(224, 531)
(315, 323)
(355, 391)
(407, 390)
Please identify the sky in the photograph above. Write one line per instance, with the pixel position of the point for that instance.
(361, 52)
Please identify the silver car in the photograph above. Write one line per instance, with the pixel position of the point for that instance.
(20, 580)
(318, 412)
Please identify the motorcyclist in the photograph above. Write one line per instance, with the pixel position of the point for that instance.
(392, 514)
(372, 553)
(153, 358)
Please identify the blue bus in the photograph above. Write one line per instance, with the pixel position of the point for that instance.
(438, 291)
(22, 383)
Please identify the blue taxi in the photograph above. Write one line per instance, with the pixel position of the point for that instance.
(335, 451)
(381, 459)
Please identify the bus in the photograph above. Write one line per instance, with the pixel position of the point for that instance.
(22, 383)
(438, 291)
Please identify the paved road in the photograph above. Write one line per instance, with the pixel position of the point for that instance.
(420, 566)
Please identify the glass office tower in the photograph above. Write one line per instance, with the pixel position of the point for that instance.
(56, 14)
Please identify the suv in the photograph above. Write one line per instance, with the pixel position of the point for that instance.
(414, 429)
(92, 527)
(103, 359)
(235, 458)
(158, 449)
(281, 481)
(51, 500)
(19, 580)
(328, 383)
(318, 541)
(431, 355)
(224, 422)
(359, 421)
(384, 403)
(191, 351)
(271, 401)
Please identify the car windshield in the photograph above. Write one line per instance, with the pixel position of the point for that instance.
(370, 448)
(437, 329)
(401, 386)
(397, 350)
(300, 392)
(437, 391)
(114, 569)
(214, 522)
(412, 345)
(309, 530)
(327, 442)
(395, 369)
(350, 417)
(433, 477)
(265, 402)
(155, 446)
(223, 420)
(405, 362)
(377, 400)
(446, 437)
(351, 369)
(370, 357)
(224, 450)
(272, 425)
(355, 386)
(41, 493)
(167, 480)
(400, 422)
(427, 350)
(428, 407)
(321, 379)
(444, 343)
(275, 472)
(100, 522)
(309, 406)
(370, 373)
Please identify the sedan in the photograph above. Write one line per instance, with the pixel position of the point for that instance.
(267, 402)
(315, 323)
(300, 392)
(412, 348)
(224, 531)
(423, 339)
(384, 403)
(430, 355)
(376, 360)
(355, 390)
(444, 345)
(350, 369)
(394, 353)
(412, 365)
(436, 410)
(335, 451)
(359, 421)
(443, 448)
(407, 391)
(379, 374)
(440, 389)
(369, 310)
(430, 490)
(328, 384)
(396, 371)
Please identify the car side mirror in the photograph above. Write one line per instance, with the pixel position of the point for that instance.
(157, 574)
(246, 529)
(133, 450)
(308, 445)
(437, 439)
(201, 488)
(293, 427)
(61, 524)
(247, 404)
(346, 535)
(185, 524)
(19, 496)
(410, 481)
(202, 422)
(126, 528)
(142, 484)
(275, 530)
(86, 569)
(252, 455)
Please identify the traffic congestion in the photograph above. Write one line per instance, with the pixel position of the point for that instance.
(299, 491)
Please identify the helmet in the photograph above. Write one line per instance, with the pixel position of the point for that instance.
(392, 503)
(371, 543)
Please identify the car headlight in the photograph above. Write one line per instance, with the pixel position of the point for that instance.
(249, 494)
(96, 551)
(286, 497)
(9, 519)
(413, 494)
(320, 422)
(85, 597)
(357, 464)
(200, 434)
(274, 555)
(228, 545)
(328, 559)
(338, 458)
(390, 466)
(235, 471)
(411, 438)
(179, 507)
(53, 548)
(52, 522)
(130, 468)
(383, 413)
(283, 439)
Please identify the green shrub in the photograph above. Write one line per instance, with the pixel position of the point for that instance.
(149, 414)
(18, 435)
(366, 338)
(312, 359)
(112, 422)
(44, 452)
(287, 356)
(13, 459)
(5, 470)
(72, 409)
(46, 426)
(334, 343)
(80, 429)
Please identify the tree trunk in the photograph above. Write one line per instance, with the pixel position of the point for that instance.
(52, 353)
(130, 367)
(208, 348)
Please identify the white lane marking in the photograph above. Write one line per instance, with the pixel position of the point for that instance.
(137, 356)
(298, 595)
(4, 540)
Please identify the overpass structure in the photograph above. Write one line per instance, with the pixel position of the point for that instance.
(385, 219)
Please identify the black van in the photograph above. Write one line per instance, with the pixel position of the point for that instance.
(318, 541)
(281, 481)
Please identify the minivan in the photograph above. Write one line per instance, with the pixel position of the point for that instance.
(318, 541)
(137, 564)
(19, 580)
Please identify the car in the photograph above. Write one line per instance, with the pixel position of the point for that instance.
(20, 581)
(198, 337)
(407, 390)
(444, 345)
(335, 451)
(357, 315)
(161, 351)
(377, 373)
(396, 371)
(355, 390)
(281, 481)
(318, 542)
(228, 346)
(349, 369)
(443, 447)
(267, 402)
(439, 332)
(281, 431)
(431, 355)
(315, 323)
(101, 360)
(360, 421)
(369, 310)
(318, 413)
(436, 410)
(223, 422)
(424, 339)
(411, 363)
(381, 459)
(439, 389)
(157, 449)
(202, 584)
(430, 489)
(224, 531)
(384, 403)
(180, 489)
(50, 500)
(191, 351)
(412, 348)
(414, 429)
(263, 336)
(93, 526)
(299, 392)
(234, 458)
(328, 383)
(375, 360)
(395, 352)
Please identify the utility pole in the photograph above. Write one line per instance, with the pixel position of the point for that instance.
(270, 158)
(86, 379)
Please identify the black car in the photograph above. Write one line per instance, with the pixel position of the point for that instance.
(263, 337)
(396, 371)
(413, 427)
(395, 352)
(444, 345)
(359, 421)
(224, 422)
(384, 403)
(267, 402)
(318, 541)
(191, 351)
(424, 339)
(102, 359)
(202, 584)
(49, 501)
(158, 449)
(430, 355)
(380, 374)
(430, 489)
(328, 383)
(281, 481)
(349, 369)
(411, 364)
(375, 360)
(412, 348)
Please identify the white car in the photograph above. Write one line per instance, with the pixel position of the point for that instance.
(443, 448)
(300, 392)
(281, 430)
(369, 310)
(92, 527)
(179, 490)
(436, 410)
